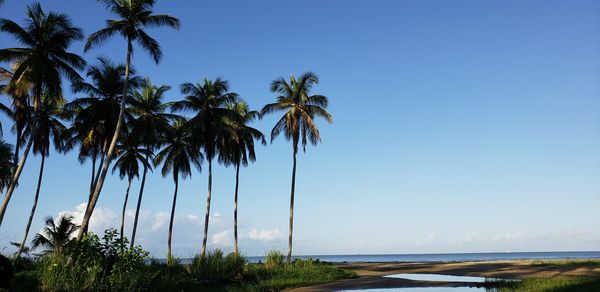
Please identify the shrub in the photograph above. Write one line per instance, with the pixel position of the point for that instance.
(274, 259)
(213, 267)
(91, 264)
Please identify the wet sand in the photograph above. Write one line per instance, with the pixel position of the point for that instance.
(370, 275)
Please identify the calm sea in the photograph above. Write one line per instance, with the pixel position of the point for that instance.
(449, 257)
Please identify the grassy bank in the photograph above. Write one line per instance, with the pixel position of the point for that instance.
(559, 284)
(215, 273)
(106, 264)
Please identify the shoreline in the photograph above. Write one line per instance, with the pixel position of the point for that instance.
(371, 275)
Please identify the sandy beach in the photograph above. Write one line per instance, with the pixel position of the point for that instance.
(370, 275)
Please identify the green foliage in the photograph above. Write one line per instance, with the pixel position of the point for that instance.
(94, 264)
(214, 267)
(274, 259)
(298, 273)
(559, 284)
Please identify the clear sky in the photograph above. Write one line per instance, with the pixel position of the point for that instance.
(459, 126)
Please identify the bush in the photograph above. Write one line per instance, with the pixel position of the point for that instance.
(274, 259)
(213, 267)
(91, 264)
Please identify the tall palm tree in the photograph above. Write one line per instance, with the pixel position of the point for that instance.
(134, 16)
(238, 149)
(208, 101)
(19, 111)
(131, 155)
(6, 165)
(149, 123)
(297, 122)
(95, 116)
(55, 235)
(179, 154)
(42, 61)
(50, 131)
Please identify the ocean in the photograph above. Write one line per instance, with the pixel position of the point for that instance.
(447, 257)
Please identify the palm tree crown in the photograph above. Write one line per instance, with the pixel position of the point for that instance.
(180, 152)
(6, 164)
(44, 57)
(54, 236)
(300, 109)
(208, 100)
(134, 16)
(238, 146)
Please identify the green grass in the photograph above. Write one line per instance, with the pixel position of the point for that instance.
(299, 273)
(214, 272)
(560, 284)
(568, 262)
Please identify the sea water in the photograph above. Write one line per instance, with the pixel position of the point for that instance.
(447, 257)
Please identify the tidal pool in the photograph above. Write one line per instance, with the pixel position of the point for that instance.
(440, 278)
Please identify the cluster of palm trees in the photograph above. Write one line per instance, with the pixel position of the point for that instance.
(123, 120)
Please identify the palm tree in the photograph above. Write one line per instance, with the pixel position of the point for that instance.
(150, 122)
(238, 149)
(297, 122)
(179, 154)
(20, 111)
(208, 101)
(95, 116)
(6, 165)
(42, 62)
(50, 131)
(134, 16)
(54, 236)
(130, 155)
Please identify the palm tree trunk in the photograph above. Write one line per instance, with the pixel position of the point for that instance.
(17, 146)
(289, 255)
(139, 204)
(35, 202)
(207, 215)
(169, 255)
(93, 175)
(98, 188)
(95, 180)
(123, 212)
(235, 207)
(15, 178)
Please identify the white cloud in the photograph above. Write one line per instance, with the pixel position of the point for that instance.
(222, 238)
(264, 235)
(510, 236)
(160, 220)
(470, 237)
(102, 218)
(187, 232)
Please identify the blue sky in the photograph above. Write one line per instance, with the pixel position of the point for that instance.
(459, 126)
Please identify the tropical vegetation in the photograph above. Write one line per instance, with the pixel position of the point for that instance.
(120, 120)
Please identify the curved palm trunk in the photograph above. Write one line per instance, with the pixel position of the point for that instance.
(35, 202)
(15, 178)
(289, 255)
(17, 146)
(207, 215)
(109, 155)
(139, 204)
(169, 255)
(123, 212)
(235, 207)
(95, 176)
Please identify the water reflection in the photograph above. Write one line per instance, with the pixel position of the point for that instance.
(425, 289)
(440, 278)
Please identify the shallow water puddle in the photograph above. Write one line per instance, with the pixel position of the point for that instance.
(424, 289)
(439, 278)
